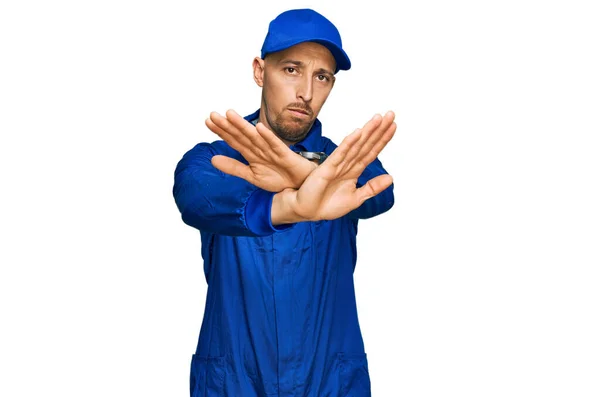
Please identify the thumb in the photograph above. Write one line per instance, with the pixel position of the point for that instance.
(373, 187)
(232, 167)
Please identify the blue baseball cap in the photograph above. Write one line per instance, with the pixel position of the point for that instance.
(298, 26)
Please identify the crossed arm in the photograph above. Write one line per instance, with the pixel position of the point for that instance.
(304, 191)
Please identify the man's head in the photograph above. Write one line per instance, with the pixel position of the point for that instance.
(299, 58)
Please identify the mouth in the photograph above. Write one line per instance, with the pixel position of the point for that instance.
(299, 113)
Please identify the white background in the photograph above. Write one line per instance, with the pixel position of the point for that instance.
(483, 280)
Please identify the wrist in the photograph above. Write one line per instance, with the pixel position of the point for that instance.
(307, 171)
(282, 208)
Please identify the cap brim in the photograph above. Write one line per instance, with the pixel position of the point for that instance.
(341, 58)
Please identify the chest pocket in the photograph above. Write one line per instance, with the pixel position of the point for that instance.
(207, 376)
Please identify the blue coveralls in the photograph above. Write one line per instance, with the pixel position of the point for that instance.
(280, 316)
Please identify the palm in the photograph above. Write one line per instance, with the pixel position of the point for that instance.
(336, 199)
(271, 165)
(330, 191)
(270, 177)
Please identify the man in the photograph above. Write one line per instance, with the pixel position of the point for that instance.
(278, 225)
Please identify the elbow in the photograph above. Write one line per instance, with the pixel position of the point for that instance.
(186, 200)
(191, 218)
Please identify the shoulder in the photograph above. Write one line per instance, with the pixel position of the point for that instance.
(328, 145)
(204, 151)
(212, 148)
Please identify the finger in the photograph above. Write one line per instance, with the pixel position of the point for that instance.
(272, 140)
(359, 166)
(215, 128)
(372, 188)
(372, 123)
(248, 129)
(377, 135)
(380, 144)
(373, 138)
(231, 140)
(367, 130)
(371, 132)
(339, 154)
(232, 167)
(355, 148)
(351, 145)
(233, 131)
(369, 127)
(224, 135)
(225, 125)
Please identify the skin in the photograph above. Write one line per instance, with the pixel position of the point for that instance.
(300, 78)
(330, 191)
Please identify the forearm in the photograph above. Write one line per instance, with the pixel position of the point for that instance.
(282, 211)
(312, 203)
(212, 201)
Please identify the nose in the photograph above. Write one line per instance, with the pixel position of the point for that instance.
(305, 89)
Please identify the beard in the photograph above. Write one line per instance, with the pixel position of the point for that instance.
(290, 128)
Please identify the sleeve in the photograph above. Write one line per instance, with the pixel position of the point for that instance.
(212, 201)
(375, 205)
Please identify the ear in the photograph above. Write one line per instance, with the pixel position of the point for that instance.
(259, 70)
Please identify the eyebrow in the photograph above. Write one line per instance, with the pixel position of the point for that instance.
(301, 64)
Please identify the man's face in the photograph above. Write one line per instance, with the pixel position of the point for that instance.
(296, 82)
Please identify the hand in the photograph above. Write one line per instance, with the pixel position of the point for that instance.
(330, 191)
(271, 165)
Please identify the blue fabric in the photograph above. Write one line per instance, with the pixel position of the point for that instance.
(280, 316)
(298, 26)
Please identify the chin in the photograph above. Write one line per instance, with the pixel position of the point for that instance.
(296, 131)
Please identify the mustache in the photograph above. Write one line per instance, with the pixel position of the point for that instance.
(302, 106)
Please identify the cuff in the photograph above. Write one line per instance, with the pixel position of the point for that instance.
(258, 214)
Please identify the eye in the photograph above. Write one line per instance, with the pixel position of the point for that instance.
(290, 70)
(323, 77)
